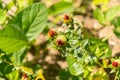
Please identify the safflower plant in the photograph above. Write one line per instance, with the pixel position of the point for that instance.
(87, 56)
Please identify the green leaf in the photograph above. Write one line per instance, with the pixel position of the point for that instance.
(27, 70)
(14, 75)
(75, 67)
(116, 23)
(62, 73)
(84, 43)
(19, 56)
(1, 4)
(9, 5)
(2, 67)
(24, 3)
(112, 13)
(12, 39)
(100, 48)
(32, 20)
(99, 15)
(2, 16)
(61, 7)
(8, 68)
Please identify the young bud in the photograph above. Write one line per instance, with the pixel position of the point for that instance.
(67, 19)
(25, 77)
(61, 40)
(51, 33)
(115, 64)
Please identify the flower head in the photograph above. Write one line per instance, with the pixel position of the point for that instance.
(115, 64)
(25, 77)
(67, 19)
(51, 33)
(61, 40)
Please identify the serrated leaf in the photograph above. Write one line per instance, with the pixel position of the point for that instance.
(61, 7)
(32, 20)
(99, 15)
(112, 13)
(75, 67)
(12, 39)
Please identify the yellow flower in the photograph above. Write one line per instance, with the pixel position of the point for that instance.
(40, 75)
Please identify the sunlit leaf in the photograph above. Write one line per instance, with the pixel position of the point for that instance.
(24, 3)
(75, 67)
(27, 70)
(32, 20)
(19, 56)
(14, 75)
(12, 39)
(61, 7)
(2, 15)
(100, 48)
(112, 13)
(99, 15)
(116, 23)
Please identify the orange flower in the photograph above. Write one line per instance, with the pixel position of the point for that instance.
(25, 77)
(51, 33)
(67, 19)
(115, 64)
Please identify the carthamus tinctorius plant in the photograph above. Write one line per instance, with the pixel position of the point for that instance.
(116, 68)
(83, 53)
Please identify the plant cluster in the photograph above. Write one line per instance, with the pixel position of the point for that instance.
(16, 37)
(87, 56)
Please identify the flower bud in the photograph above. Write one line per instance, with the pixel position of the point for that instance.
(61, 40)
(67, 19)
(25, 77)
(51, 33)
(115, 64)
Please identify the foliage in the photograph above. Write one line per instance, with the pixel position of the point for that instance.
(61, 7)
(83, 54)
(87, 56)
(111, 16)
(106, 17)
(16, 36)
